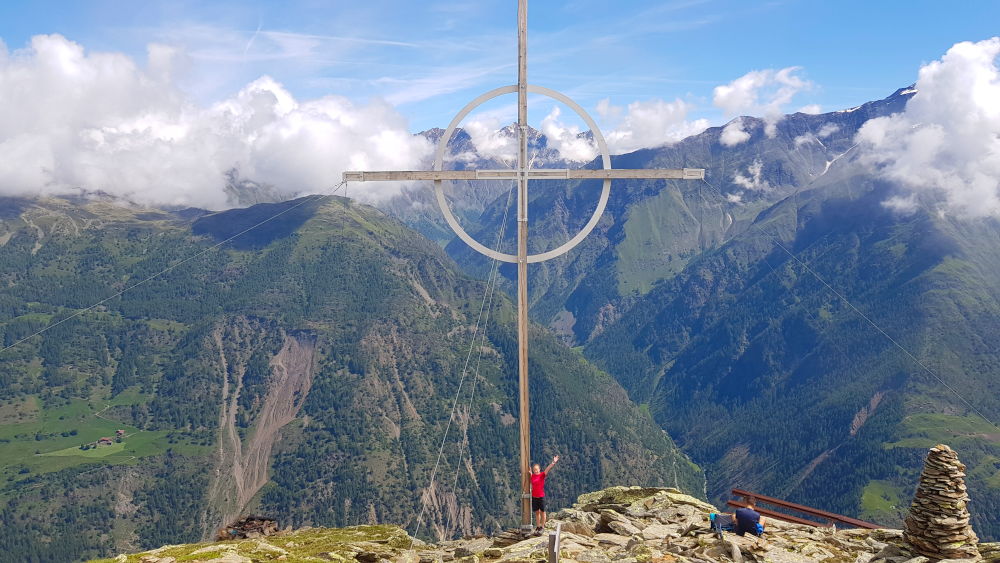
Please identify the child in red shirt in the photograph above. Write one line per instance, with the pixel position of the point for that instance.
(538, 492)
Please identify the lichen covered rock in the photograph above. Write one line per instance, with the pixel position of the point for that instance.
(365, 544)
(616, 525)
(621, 495)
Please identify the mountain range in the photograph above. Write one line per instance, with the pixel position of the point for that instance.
(774, 328)
(305, 369)
(783, 284)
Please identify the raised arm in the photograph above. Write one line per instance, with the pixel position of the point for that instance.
(551, 465)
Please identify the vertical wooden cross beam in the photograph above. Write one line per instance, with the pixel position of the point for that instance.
(522, 174)
(522, 260)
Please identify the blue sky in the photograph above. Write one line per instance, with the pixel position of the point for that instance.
(429, 58)
(159, 102)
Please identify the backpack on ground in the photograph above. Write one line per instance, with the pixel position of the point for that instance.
(721, 523)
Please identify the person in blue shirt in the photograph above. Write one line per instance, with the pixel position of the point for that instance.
(748, 520)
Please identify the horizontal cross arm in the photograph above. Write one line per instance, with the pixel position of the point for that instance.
(533, 174)
(639, 173)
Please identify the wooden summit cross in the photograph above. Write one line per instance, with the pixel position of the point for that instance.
(522, 174)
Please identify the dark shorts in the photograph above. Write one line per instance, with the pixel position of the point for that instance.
(537, 503)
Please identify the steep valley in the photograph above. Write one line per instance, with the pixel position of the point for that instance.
(738, 310)
(792, 333)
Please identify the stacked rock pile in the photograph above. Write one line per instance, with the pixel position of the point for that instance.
(250, 527)
(938, 523)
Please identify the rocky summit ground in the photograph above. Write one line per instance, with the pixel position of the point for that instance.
(622, 524)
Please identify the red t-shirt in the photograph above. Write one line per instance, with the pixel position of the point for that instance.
(538, 484)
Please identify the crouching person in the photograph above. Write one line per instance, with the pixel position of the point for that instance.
(748, 520)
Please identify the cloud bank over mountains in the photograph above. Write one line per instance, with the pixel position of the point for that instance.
(650, 123)
(79, 122)
(765, 93)
(946, 145)
(97, 122)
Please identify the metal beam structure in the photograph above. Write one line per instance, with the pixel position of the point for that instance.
(524, 417)
(522, 174)
(830, 517)
(531, 174)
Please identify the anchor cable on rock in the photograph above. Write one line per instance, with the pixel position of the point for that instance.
(487, 293)
(491, 288)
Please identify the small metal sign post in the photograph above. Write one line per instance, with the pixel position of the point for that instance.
(555, 537)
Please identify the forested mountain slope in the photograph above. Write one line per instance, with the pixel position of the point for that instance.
(759, 370)
(776, 384)
(305, 370)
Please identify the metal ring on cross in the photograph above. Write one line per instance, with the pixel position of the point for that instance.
(453, 222)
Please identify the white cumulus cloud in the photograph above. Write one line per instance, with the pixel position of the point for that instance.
(734, 133)
(568, 140)
(760, 92)
(650, 123)
(641, 124)
(753, 179)
(946, 143)
(903, 205)
(490, 140)
(825, 131)
(72, 120)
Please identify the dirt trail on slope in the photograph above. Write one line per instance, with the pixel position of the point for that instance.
(242, 464)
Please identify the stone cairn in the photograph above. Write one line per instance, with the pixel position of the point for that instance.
(938, 523)
(250, 527)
